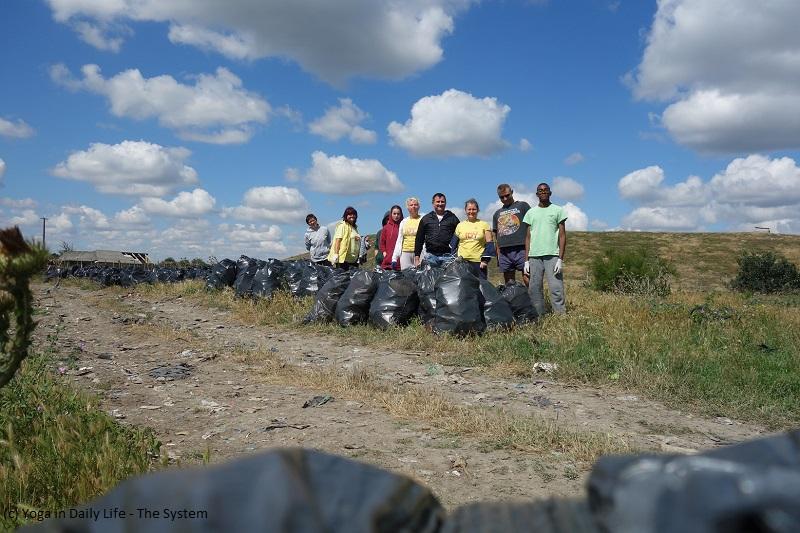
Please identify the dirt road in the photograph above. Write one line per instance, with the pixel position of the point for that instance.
(183, 370)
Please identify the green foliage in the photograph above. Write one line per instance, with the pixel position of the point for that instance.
(57, 448)
(18, 263)
(765, 272)
(636, 271)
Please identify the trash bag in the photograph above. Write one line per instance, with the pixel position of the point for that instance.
(246, 269)
(458, 302)
(425, 278)
(294, 277)
(516, 294)
(497, 313)
(222, 275)
(328, 296)
(314, 277)
(353, 307)
(144, 276)
(395, 302)
(268, 279)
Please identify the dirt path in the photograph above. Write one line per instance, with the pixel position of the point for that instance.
(225, 406)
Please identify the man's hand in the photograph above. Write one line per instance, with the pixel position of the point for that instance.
(394, 265)
(558, 267)
(526, 270)
(335, 259)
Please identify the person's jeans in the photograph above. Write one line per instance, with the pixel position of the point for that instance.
(540, 267)
(438, 260)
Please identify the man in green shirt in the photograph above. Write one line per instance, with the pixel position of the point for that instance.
(545, 243)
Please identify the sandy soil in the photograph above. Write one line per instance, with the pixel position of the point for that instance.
(225, 406)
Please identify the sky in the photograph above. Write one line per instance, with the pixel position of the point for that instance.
(201, 128)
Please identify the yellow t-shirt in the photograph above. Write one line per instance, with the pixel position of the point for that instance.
(350, 245)
(410, 226)
(471, 239)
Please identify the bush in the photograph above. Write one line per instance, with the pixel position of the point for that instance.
(637, 271)
(765, 272)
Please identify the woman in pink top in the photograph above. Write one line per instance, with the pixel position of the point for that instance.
(389, 235)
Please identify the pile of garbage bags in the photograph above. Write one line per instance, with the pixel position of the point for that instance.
(125, 276)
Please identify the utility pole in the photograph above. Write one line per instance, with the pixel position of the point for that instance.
(44, 232)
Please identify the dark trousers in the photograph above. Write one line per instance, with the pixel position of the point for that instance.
(482, 273)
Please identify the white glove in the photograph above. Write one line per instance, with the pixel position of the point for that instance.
(527, 268)
(557, 268)
(335, 259)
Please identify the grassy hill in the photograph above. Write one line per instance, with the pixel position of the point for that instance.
(704, 261)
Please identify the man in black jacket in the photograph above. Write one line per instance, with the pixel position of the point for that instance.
(435, 232)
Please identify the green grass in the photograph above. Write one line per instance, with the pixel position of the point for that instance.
(57, 448)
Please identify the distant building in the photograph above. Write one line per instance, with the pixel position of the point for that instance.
(104, 258)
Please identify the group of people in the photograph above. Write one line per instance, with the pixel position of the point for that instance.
(530, 240)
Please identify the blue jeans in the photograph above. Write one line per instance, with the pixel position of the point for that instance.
(438, 260)
(540, 267)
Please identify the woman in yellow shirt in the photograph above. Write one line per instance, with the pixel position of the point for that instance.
(346, 241)
(475, 240)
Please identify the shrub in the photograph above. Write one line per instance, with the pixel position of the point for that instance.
(765, 272)
(637, 271)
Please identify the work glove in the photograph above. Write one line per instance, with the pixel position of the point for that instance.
(394, 265)
(557, 268)
(527, 268)
(335, 259)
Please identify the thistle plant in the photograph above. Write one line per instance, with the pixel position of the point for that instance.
(18, 263)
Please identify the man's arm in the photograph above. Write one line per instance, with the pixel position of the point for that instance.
(308, 242)
(419, 242)
(562, 239)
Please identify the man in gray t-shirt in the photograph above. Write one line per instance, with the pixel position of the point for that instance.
(318, 240)
(509, 233)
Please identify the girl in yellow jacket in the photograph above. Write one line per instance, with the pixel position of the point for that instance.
(346, 241)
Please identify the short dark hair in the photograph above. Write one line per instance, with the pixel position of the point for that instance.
(504, 186)
(310, 216)
(438, 195)
(545, 184)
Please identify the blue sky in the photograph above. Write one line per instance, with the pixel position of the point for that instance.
(197, 127)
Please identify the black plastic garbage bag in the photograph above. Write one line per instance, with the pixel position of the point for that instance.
(425, 278)
(458, 301)
(246, 269)
(314, 277)
(328, 296)
(294, 277)
(268, 279)
(353, 307)
(291, 490)
(222, 275)
(395, 302)
(144, 276)
(497, 312)
(516, 294)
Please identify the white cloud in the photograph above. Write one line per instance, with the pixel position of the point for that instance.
(216, 109)
(345, 176)
(576, 218)
(453, 123)
(135, 168)
(292, 175)
(88, 217)
(2, 169)
(747, 192)
(525, 145)
(186, 205)
(28, 217)
(134, 216)
(341, 121)
(597, 224)
(97, 35)
(567, 188)
(574, 158)
(282, 204)
(334, 40)
(750, 100)
(18, 129)
(251, 240)
(60, 222)
(18, 204)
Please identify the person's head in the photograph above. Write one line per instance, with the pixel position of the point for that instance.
(311, 220)
(471, 209)
(396, 213)
(439, 201)
(506, 194)
(350, 215)
(543, 194)
(412, 204)
(385, 218)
